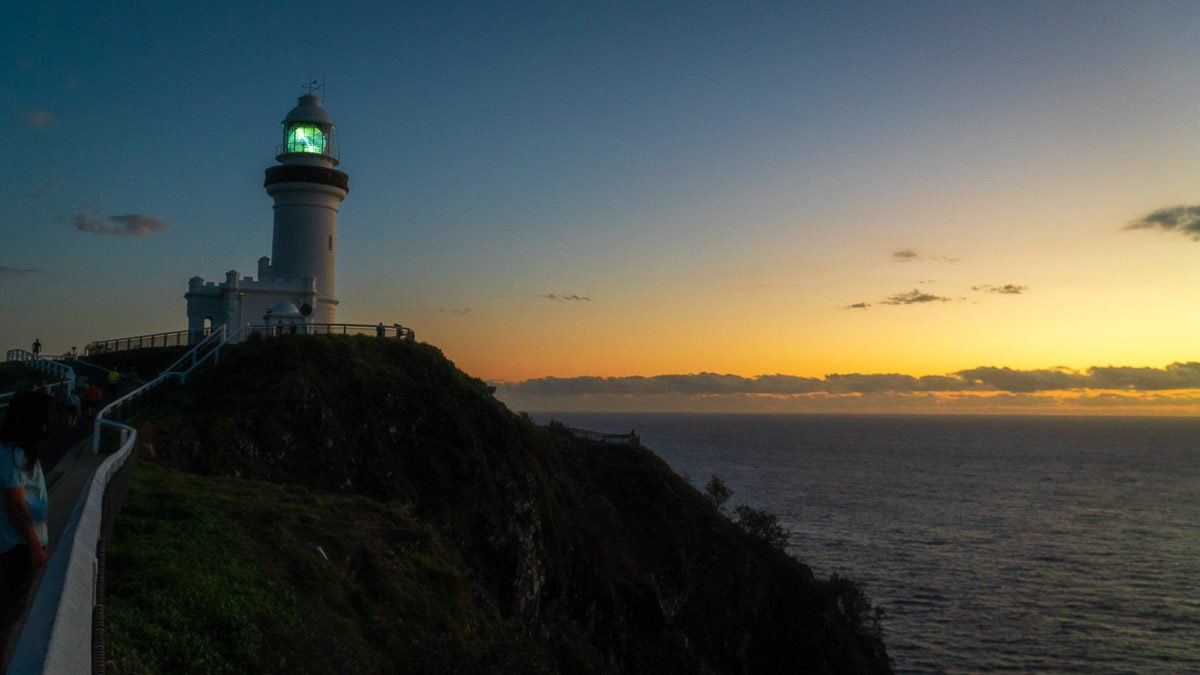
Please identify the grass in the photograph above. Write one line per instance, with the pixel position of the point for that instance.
(224, 575)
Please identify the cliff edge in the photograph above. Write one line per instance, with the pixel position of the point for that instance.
(456, 535)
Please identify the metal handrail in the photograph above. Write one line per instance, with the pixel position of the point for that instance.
(167, 373)
(179, 338)
(64, 373)
(379, 330)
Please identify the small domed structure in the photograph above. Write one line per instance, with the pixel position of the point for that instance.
(285, 309)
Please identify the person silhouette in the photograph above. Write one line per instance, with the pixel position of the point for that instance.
(37, 347)
(23, 532)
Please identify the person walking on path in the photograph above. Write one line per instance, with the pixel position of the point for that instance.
(91, 398)
(72, 404)
(23, 534)
(37, 347)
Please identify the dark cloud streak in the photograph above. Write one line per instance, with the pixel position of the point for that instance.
(913, 297)
(18, 271)
(1182, 219)
(128, 225)
(1006, 289)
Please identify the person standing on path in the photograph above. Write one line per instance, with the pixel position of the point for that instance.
(23, 534)
(37, 347)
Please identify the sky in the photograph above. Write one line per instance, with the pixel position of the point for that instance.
(694, 206)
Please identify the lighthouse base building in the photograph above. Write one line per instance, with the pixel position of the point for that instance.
(296, 285)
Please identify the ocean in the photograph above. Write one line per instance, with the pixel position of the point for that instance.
(994, 544)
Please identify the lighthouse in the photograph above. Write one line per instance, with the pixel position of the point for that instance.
(307, 190)
(297, 283)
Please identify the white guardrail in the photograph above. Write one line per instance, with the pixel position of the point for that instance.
(64, 374)
(58, 634)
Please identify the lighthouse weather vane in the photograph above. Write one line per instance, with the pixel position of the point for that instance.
(312, 86)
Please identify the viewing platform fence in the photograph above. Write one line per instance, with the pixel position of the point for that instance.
(65, 630)
(179, 338)
(608, 439)
(379, 330)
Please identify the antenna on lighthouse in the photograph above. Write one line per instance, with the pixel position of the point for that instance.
(312, 86)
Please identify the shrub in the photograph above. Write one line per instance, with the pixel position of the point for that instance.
(718, 492)
(762, 525)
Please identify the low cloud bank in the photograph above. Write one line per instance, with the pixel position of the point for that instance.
(983, 379)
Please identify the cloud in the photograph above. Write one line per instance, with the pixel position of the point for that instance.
(18, 271)
(908, 255)
(128, 225)
(137, 225)
(984, 379)
(556, 296)
(1182, 219)
(1006, 289)
(913, 297)
(1024, 381)
(858, 305)
(1175, 376)
(38, 119)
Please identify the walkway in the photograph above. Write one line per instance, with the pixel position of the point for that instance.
(68, 462)
(65, 483)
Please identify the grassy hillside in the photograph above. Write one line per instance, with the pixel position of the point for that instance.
(461, 534)
(227, 575)
(16, 375)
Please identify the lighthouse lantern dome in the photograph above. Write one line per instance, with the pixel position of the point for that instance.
(307, 131)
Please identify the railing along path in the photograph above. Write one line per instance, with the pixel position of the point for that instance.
(179, 338)
(64, 375)
(64, 632)
(608, 439)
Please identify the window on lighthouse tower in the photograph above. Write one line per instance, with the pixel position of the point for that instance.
(306, 138)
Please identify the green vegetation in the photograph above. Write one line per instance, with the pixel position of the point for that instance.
(224, 575)
(15, 375)
(718, 492)
(762, 525)
(147, 362)
(757, 523)
(460, 537)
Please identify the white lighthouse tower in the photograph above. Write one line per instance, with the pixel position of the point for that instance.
(307, 190)
(297, 283)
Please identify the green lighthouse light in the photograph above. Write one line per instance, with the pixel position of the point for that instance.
(306, 138)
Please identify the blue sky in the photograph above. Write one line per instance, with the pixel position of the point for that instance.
(714, 184)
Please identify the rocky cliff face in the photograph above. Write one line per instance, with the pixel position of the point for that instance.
(601, 556)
